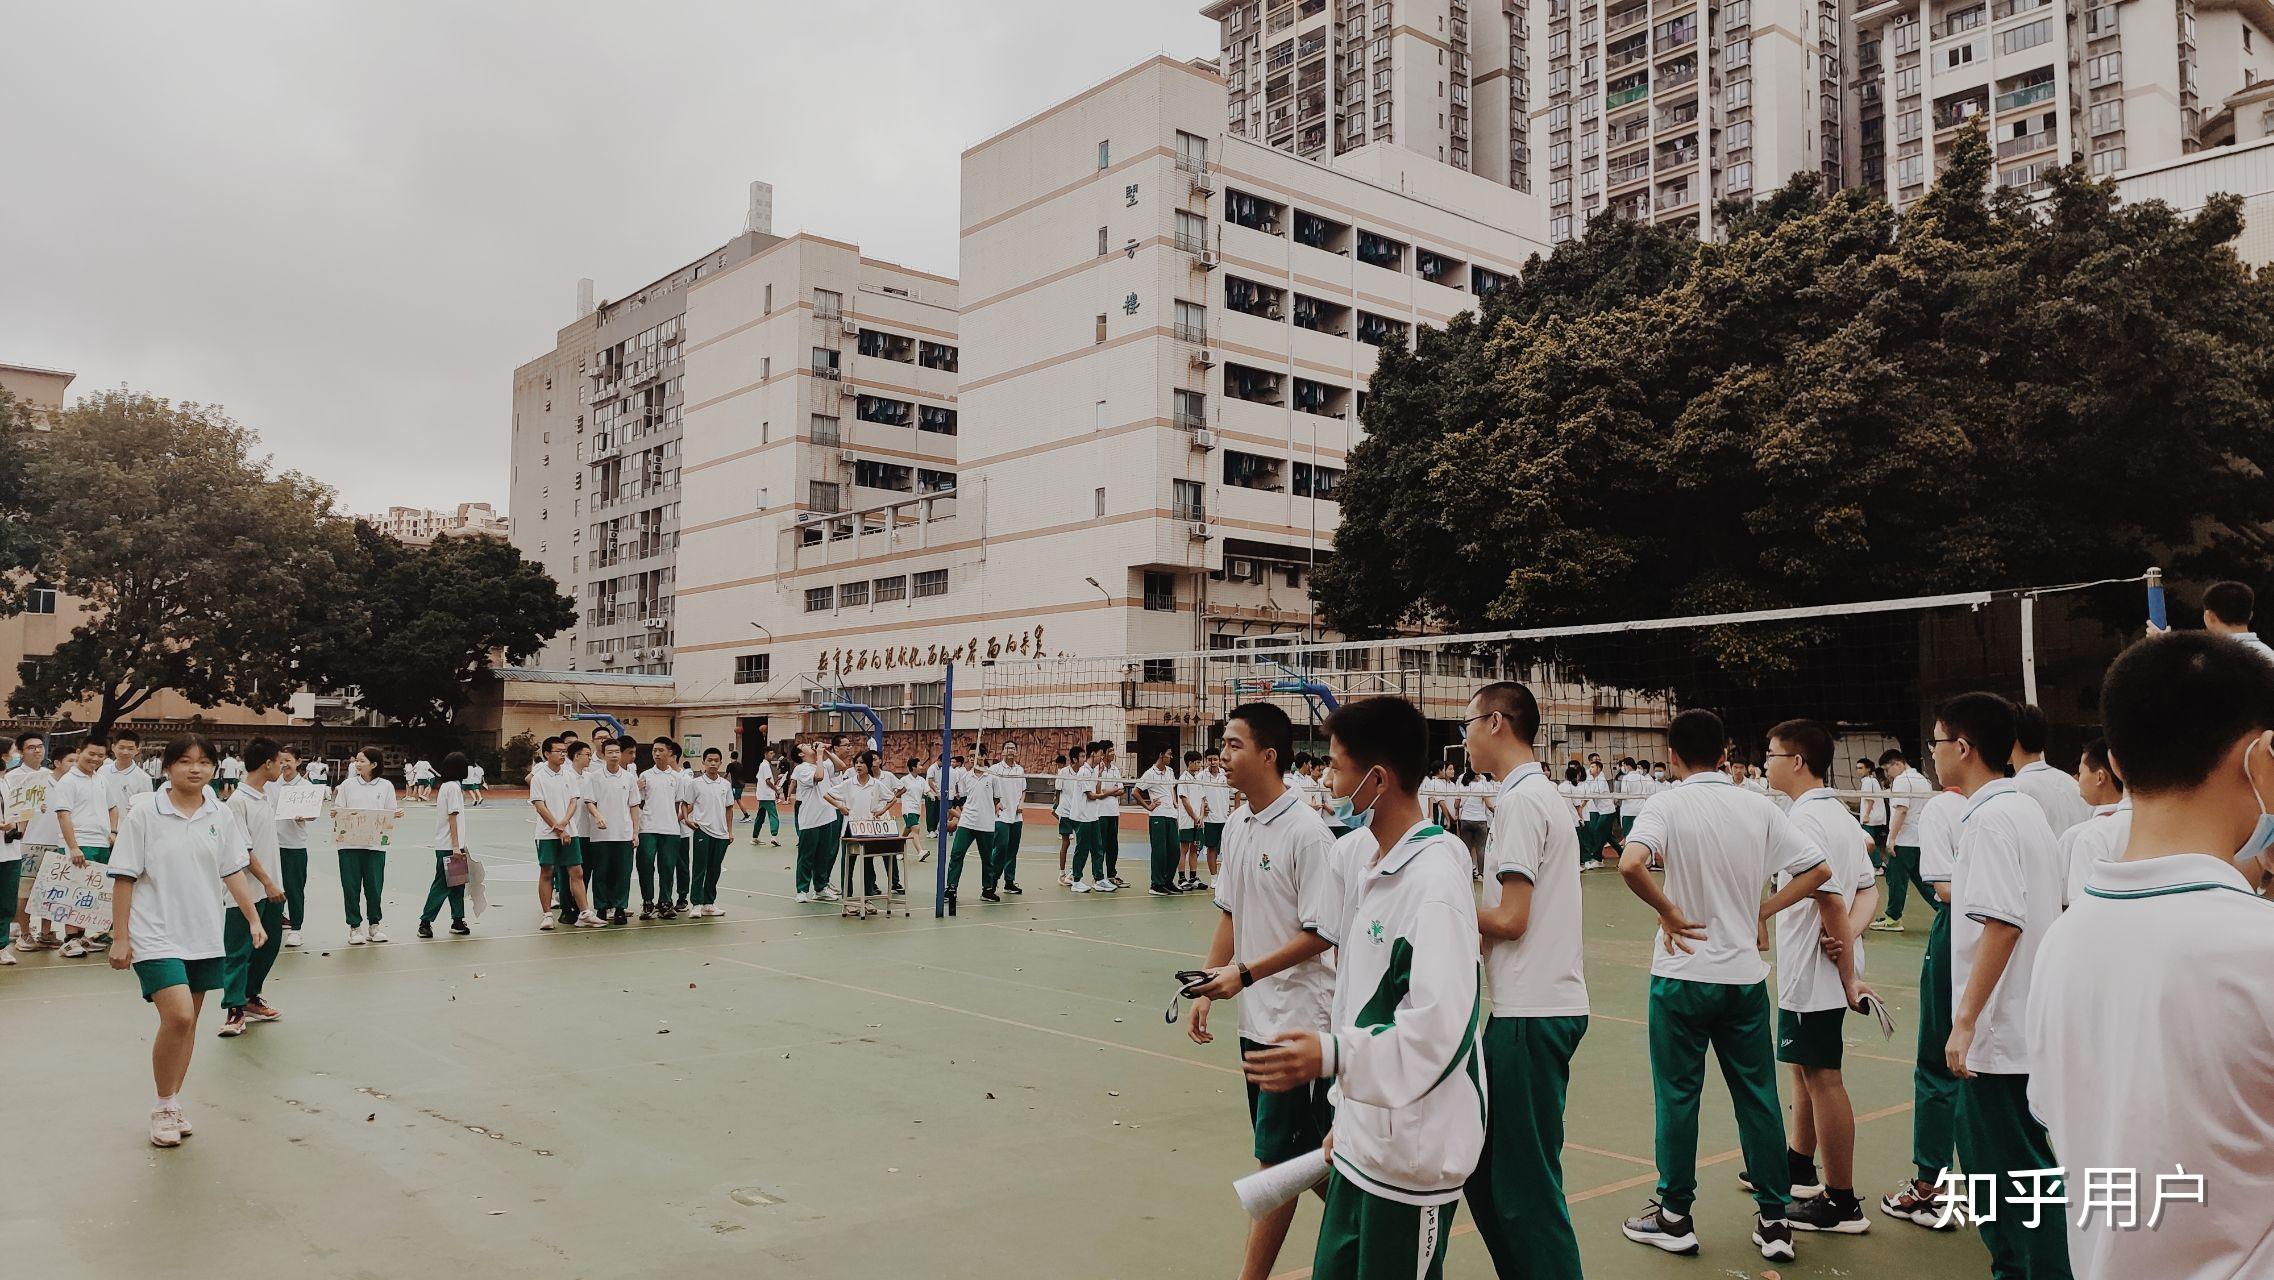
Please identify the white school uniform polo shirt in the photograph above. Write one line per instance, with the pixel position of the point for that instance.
(1872, 811)
(1216, 791)
(1191, 805)
(450, 799)
(177, 862)
(123, 786)
(2151, 1041)
(866, 801)
(612, 796)
(1408, 1078)
(355, 793)
(556, 790)
(1159, 787)
(1598, 792)
(762, 782)
(1079, 806)
(2009, 870)
(1808, 981)
(2055, 792)
(1905, 795)
(88, 801)
(2092, 842)
(580, 826)
(1108, 781)
(1634, 788)
(1474, 798)
(711, 797)
(1721, 843)
(978, 791)
(1279, 879)
(1938, 821)
(1064, 807)
(661, 790)
(1544, 973)
(255, 811)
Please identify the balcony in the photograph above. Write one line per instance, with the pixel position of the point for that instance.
(1625, 19)
(1950, 115)
(2004, 9)
(2028, 95)
(1376, 330)
(1377, 250)
(1320, 316)
(2027, 144)
(1258, 386)
(1626, 56)
(1676, 198)
(1196, 334)
(1250, 298)
(887, 346)
(1322, 233)
(1959, 23)
(1619, 97)
(1254, 212)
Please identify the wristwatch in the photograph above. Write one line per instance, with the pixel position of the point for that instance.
(1247, 976)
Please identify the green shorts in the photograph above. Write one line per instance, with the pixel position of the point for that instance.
(1810, 1039)
(197, 975)
(1212, 835)
(908, 821)
(1288, 1124)
(1188, 835)
(1068, 826)
(470, 788)
(560, 853)
(95, 853)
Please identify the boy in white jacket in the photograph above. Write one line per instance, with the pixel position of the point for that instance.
(1408, 1080)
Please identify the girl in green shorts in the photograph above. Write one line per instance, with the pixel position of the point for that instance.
(169, 856)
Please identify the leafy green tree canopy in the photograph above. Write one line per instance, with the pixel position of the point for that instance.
(1835, 403)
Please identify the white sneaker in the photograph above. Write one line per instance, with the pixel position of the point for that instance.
(588, 921)
(1080, 886)
(376, 934)
(803, 896)
(545, 922)
(292, 937)
(717, 911)
(924, 855)
(164, 1131)
(1105, 886)
(355, 936)
(7, 957)
(831, 895)
(75, 948)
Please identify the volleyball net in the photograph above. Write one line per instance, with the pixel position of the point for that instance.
(1871, 671)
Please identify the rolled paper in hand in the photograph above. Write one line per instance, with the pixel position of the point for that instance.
(1267, 1189)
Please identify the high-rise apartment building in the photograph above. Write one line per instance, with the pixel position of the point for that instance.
(2123, 85)
(1655, 110)
(595, 482)
(1320, 79)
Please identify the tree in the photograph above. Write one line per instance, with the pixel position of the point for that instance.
(201, 571)
(427, 619)
(1838, 403)
(19, 550)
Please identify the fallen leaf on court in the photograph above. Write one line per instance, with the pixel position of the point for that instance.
(1113, 1093)
(990, 1097)
(369, 1118)
(666, 1031)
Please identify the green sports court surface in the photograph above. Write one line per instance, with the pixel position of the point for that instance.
(777, 1093)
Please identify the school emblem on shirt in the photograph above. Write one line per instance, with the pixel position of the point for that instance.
(1263, 862)
(1374, 931)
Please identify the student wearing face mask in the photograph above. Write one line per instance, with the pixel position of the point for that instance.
(2151, 1023)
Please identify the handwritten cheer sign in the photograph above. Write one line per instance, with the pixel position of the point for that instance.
(78, 897)
(300, 800)
(362, 828)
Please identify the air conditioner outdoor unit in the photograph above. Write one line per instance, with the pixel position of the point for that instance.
(608, 658)
(1207, 259)
(652, 624)
(849, 325)
(845, 455)
(1242, 569)
(848, 390)
(1203, 439)
(1204, 359)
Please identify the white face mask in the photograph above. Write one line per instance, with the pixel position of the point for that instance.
(1346, 807)
(2251, 858)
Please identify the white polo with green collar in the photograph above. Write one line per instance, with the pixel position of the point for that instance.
(2150, 1024)
(2009, 870)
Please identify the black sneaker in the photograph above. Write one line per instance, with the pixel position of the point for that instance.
(681, 906)
(425, 929)
(459, 927)
(665, 912)
(1822, 1213)
(1775, 1238)
(621, 918)
(1801, 1177)
(647, 911)
(1923, 1204)
(1662, 1230)
(989, 895)
(1012, 888)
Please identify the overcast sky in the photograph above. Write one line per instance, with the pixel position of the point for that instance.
(347, 223)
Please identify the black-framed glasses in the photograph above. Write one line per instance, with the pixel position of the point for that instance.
(1780, 755)
(1484, 716)
(1936, 742)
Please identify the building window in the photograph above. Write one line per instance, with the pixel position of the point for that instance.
(1160, 592)
(2026, 36)
(1188, 499)
(1101, 327)
(828, 304)
(821, 495)
(825, 362)
(39, 600)
(891, 589)
(1159, 670)
(753, 668)
(931, 582)
(1105, 154)
(853, 593)
(1103, 247)
(825, 432)
(819, 599)
(769, 299)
